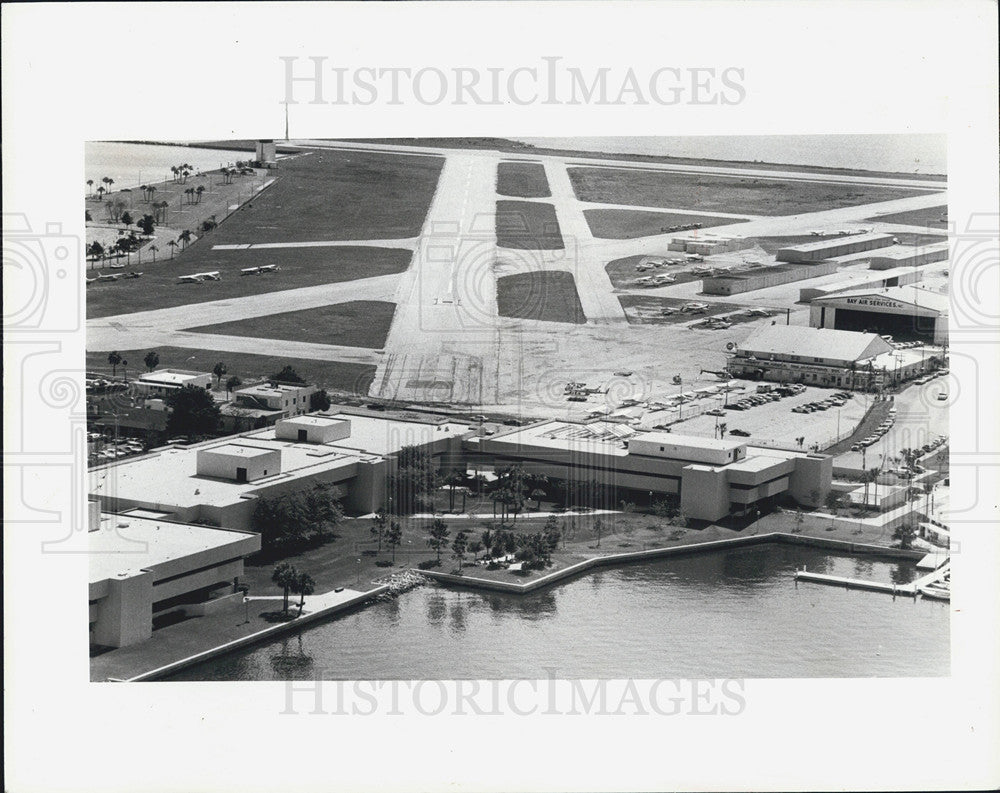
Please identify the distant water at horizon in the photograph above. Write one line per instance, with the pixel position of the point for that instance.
(897, 153)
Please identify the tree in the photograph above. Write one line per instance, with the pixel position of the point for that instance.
(459, 547)
(302, 585)
(218, 370)
(904, 534)
(598, 525)
(149, 192)
(107, 183)
(474, 548)
(292, 520)
(153, 249)
(198, 191)
(285, 576)
(95, 250)
(832, 501)
(192, 412)
(455, 478)
(538, 494)
(115, 360)
(100, 193)
(90, 186)
(127, 219)
(393, 537)
(438, 536)
(185, 238)
(487, 540)
(232, 384)
(287, 375)
(152, 360)
(320, 400)
(173, 247)
(413, 480)
(379, 523)
(145, 224)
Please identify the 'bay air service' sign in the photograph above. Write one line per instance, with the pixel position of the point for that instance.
(874, 302)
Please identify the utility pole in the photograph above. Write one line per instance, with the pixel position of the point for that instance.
(286, 122)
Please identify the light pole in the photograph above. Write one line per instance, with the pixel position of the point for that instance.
(359, 573)
(246, 609)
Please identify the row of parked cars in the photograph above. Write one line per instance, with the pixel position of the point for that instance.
(930, 376)
(837, 400)
(876, 436)
(762, 397)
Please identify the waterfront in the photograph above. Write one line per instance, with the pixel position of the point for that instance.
(132, 164)
(733, 613)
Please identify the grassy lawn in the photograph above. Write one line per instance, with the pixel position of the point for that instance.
(753, 196)
(339, 195)
(528, 225)
(358, 323)
(931, 217)
(522, 180)
(158, 287)
(627, 224)
(546, 295)
(647, 310)
(341, 376)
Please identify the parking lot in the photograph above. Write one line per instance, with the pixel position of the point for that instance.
(777, 422)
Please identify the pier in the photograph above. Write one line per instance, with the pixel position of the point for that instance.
(911, 590)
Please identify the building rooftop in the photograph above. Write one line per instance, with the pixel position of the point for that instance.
(906, 251)
(266, 389)
(827, 343)
(313, 420)
(171, 376)
(241, 450)
(834, 242)
(913, 295)
(170, 476)
(691, 441)
(127, 543)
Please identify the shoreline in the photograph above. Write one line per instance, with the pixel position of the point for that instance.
(511, 146)
(482, 584)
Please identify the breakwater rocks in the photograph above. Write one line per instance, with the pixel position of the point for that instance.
(400, 582)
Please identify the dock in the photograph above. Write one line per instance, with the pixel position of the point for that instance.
(910, 590)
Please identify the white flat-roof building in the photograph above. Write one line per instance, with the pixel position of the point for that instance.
(143, 568)
(219, 480)
(313, 429)
(711, 478)
(291, 400)
(909, 255)
(829, 248)
(161, 382)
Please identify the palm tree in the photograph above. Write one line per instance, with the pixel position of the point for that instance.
(218, 370)
(198, 191)
(285, 576)
(153, 249)
(185, 238)
(232, 384)
(115, 360)
(149, 192)
(303, 585)
(100, 193)
(173, 247)
(486, 538)
(90, 184)
(456, 477)
(393, 537)
(108, 181)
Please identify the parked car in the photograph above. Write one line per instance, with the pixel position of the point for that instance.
(740, 433)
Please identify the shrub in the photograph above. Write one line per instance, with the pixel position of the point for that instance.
(428, 564)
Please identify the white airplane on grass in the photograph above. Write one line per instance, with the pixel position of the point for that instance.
(691, 308)
(197, 278)
(109, 276)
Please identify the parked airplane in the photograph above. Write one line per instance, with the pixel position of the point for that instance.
(722, 375)
(210, 276)
(694, 257)
(132, 274)
(190, 279)
(691, 307)
(700, 271)
(109, 276)
(757, 312)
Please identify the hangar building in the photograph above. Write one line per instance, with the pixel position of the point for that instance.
(904, 312)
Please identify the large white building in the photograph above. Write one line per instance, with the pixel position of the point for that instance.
(145, 567)
(710, 478)
(164, 381)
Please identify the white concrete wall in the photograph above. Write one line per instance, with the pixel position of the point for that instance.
(223, 464)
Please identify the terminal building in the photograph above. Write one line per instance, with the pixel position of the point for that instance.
(711, 478)
(219, 480)
(826, 358)
(146, 568)
(907, 313)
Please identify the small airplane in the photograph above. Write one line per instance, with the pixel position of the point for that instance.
(664, 279)
(117, 266)
(757, 312)
(132, 274)
(695, 257)
(720, 374)
(109, 276)
(90, 281)
(210, 276)
(701, 271)
(189, 279)
(692, 307)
